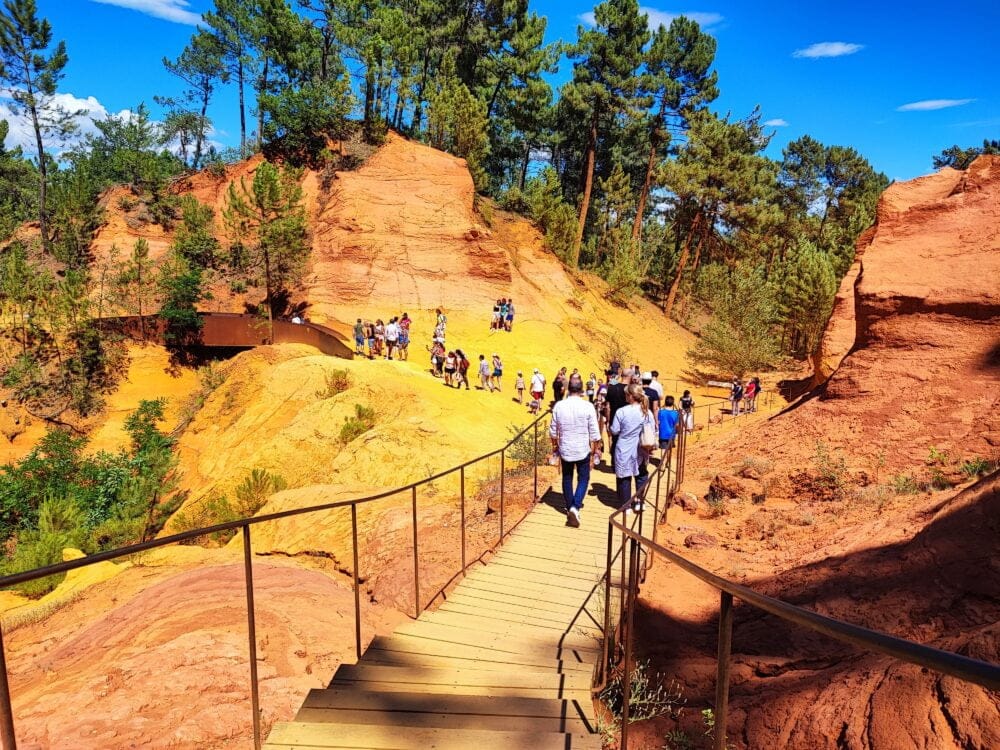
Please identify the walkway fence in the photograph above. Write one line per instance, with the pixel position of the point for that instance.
(630, 555)
(493, 493)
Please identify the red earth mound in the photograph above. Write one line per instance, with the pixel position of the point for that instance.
(858, 522)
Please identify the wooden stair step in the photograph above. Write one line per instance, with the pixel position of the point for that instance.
(405, 650)
(321, 736)
(419, 676)
(515, 613)
(474, 596)
(448, 633)
(516, 625)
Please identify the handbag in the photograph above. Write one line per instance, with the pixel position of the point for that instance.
(648, 437)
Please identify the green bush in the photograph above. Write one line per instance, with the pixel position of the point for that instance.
(255, 489)
(904, 484)
(977, 466)
(356, 426)
(214, 509)
(831, 471)
(337, 382)
(524, 451)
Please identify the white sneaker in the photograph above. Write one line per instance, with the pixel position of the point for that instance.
(573, 518)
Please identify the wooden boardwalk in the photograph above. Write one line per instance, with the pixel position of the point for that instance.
(505, 662)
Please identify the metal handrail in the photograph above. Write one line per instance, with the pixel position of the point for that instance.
(962, 667)
(7, 734)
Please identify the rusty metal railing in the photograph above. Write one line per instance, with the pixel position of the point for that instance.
(243, 526)
(636, 552)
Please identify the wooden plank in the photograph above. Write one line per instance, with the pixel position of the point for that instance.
(515, 627)
(535, 581)
(309, 736)
(417, 702)
(487, 660)
(565, 611)
(445, 718)
(413, 651)
(469, 677)
(466, 603)
(580, 696)
(511, 563)
(583, 622)
(560, 647)
(524, 593)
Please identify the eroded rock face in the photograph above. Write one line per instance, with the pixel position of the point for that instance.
(402, 229)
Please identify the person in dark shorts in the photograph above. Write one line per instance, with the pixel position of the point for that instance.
(669, 419)
(359, 337)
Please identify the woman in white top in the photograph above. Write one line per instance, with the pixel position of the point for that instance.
(630, 457)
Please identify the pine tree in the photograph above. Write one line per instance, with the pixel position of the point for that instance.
(136, 283)
(199, 66)
(232, 29)
(18, 186)
(604, 82)
(457, 121)
(677, 82)
(806, 288)
(267, 220)
(31, 68)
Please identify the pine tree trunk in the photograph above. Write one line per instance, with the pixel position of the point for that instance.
(43, 179)
(260, 107)
(640, 209)
(524, 166)
(200, 138)
(369, 94)
(243, 110)
(267, 290)
(588, 185)
(418, 110)
(681, 262)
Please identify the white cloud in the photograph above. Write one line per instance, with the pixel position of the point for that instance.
(659, 18)
(777, 122)
(828, 49)
(169, 10)
(929, 104)
(21, 132)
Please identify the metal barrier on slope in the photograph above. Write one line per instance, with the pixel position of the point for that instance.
(634, 554)
(517, 478)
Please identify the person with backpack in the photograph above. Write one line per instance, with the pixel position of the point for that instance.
(463, 369)
(749, 393)
(735, 396)
(687, 410)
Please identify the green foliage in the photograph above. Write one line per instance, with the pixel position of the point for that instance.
(740, 338)
(457, 121)
(806, 285)
(267, 221)
(937, 458)
(957, 157)
(543, 200)
(210, 511)
(649, 696)
(18, 186)
(303, 119)
(904, 484)
(181, 286)
(524, 451)
(337, 382)
(195, 240)
(977, 466)
(356, 426)
(252, 493)
(831, 471)
(58, 496)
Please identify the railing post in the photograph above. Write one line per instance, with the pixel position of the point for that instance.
(6, 711)
(534, 461)
(357, 586)
(633, 590)
(416, 562)
(722, 675)
(503, 453)
(251, 635)
(607, 605)
(461, 474)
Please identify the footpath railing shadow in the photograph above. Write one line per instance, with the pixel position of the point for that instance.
(504, 487)
(631, 553)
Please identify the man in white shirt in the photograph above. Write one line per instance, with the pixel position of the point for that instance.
(656, 385)
(575, 437)
(391, 338)
(537, 385)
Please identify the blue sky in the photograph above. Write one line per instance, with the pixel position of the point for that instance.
(898, 81)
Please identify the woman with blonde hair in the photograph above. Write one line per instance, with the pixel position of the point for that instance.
(630, 456)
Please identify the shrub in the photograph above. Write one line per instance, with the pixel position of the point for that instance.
(831, 470)
(648, 696)
(255, 489)
(337, 381)
(716, 506)
(356, 426)
(937, 458)
(214, 509)
(939, 481)
(904, 484)
(977, 466)
(524, 451)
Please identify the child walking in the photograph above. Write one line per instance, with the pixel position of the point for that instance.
(519, 385)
